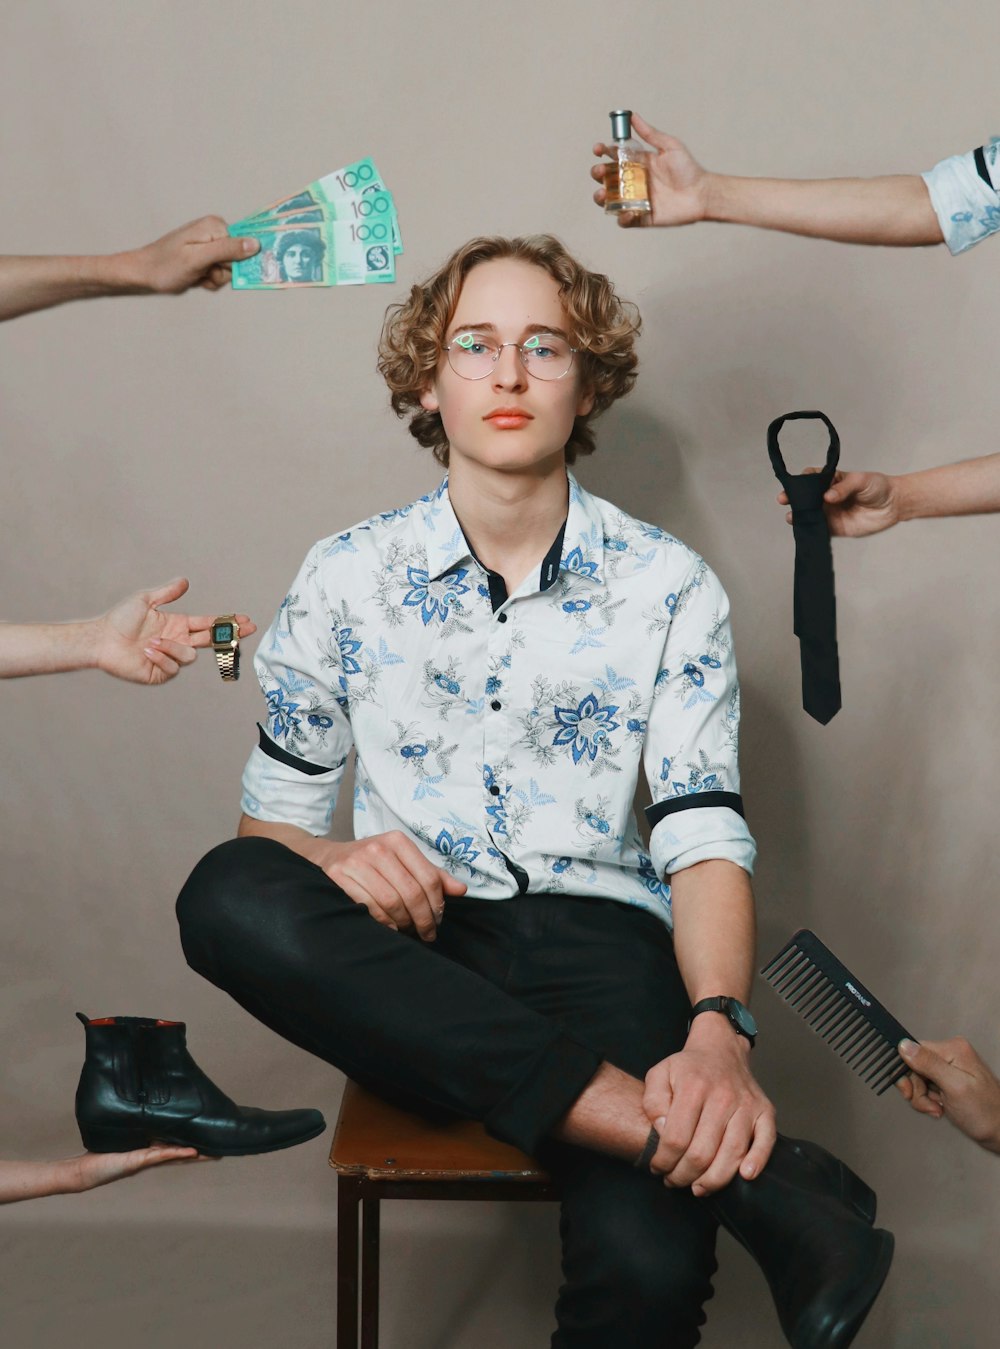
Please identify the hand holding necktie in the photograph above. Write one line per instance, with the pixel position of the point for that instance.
(815, 607)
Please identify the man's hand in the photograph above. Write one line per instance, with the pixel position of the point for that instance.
(949, 1078)
(391, 878)
(137, 642)
(857, 504)
(677, 182)
(198, 254)
(712, 1117)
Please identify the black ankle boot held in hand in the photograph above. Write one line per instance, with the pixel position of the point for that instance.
(139, 1085)
(806, 1220)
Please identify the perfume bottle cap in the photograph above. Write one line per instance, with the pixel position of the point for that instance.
(621, 124)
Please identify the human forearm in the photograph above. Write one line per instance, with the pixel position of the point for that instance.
(894, 210)
(35, 1180)
(299, 840)
(47, 648)
(971, 487)
(714, 930)
(28, 283)
(712, 1117)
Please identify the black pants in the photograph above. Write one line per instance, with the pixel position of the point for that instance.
(504, 1018)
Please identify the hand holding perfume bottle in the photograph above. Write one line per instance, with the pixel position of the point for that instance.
(670, 186)
(626, 179)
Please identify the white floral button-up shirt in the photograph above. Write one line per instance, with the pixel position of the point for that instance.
(964, 195)
(504, 734)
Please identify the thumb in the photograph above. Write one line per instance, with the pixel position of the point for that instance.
(166, 594)
(451, 885)
(228, 249)
(928, 1064)
(649, 133)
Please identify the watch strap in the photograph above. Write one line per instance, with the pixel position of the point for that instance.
(229, 661)
(721, 1004)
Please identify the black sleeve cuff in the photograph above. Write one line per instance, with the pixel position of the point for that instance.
(274, 751)
(661, 809)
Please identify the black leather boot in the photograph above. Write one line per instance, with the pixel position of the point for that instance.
(806, 1221)
(140, 1085)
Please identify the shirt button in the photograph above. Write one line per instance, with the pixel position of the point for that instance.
(501, 618)
(494, 790)
(496, 704)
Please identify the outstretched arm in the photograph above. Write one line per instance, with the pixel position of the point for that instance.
(890, 210)
(36, 1180)
(197, 254)
(858, 504)
(135, 640)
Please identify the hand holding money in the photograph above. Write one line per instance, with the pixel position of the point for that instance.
(341, 230)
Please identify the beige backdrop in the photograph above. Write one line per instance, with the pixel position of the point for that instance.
(219, 436)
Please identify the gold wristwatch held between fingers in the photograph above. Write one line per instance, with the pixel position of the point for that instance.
(226, 643)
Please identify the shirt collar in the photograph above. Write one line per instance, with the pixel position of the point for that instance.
(582, 539)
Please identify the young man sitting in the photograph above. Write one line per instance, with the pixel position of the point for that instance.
(503, 655)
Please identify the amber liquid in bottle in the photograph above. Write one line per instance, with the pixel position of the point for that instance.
(626, 180)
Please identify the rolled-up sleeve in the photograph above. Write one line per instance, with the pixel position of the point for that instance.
(294, 773)
(964, 196)
(692, 737)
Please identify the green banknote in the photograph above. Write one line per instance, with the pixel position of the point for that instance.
(322, 253)
(336, 191)
(371, 209)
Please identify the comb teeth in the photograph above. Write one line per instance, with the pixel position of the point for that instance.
(839, 1008)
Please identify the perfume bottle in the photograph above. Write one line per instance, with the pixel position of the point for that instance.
(626, 181)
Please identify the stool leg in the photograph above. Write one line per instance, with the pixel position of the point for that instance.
(369, 1273)
(348, 1200)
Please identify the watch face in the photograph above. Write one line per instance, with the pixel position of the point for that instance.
(741, 1015)
(222, 632)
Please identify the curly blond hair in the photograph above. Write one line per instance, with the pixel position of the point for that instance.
(602, 327)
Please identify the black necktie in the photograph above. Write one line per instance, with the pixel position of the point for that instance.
(815, 607)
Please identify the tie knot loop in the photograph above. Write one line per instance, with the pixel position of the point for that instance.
(804, 490)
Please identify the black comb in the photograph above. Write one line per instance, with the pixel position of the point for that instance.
(839, 1008)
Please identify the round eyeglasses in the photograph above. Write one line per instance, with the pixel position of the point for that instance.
(544, 355)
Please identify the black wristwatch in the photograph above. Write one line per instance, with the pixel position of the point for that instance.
(738, 1016)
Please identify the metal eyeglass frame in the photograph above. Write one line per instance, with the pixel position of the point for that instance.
(497, 349)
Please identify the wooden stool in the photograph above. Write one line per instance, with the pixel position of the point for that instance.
(381, 1152)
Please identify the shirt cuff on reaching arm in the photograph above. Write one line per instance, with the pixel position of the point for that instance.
(700, 828)
(964, 199)
(281, 786)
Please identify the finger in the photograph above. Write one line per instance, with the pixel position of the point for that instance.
(451, 884)
(200, 627)
(701, 1152)
(765, 1135)
(182, 654)
(600, 196)
(160, 1153)
(162, 661)
(600, 149)
(676, 1129)
(380, 890)
(905, 1088)
(166, 594)
(422, 905)
(597, 171)
(782, 498)
(356, 891)
(649, 133)
(228, 249)
(931, 1066)
(732, 1149)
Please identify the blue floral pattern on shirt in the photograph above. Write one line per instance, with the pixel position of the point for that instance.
(507, 748)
